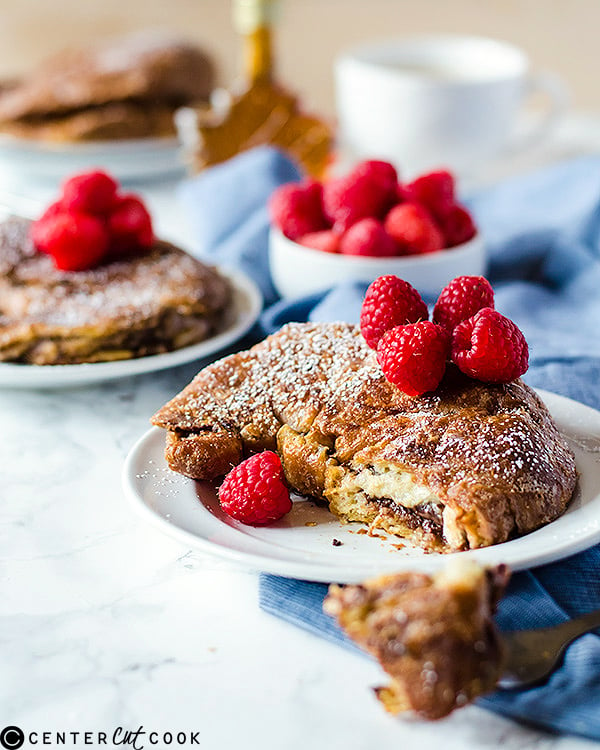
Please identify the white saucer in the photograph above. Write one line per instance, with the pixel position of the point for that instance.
(246, 307)
(301, 544)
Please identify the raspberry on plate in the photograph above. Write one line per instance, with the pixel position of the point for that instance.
(434, 190)
(461, 299)
(326, 240)
(413, 229)
(389, 302)
(457, 226)
(90, 192)
(255, 492)
(490, 347)
(358, 195)
(130, 225)
(297, 209)
(76, 242)
(368, 238)
(413, 357)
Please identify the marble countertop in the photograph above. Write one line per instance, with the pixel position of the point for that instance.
(107, 625)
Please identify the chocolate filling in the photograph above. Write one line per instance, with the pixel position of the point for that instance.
(426, 516)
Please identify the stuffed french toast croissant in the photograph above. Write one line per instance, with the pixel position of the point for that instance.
(465, 466)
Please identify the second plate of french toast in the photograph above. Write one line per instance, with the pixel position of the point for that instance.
(112, 104)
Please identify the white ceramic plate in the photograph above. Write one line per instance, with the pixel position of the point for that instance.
(301, 544)
(299, 270)
(246, 307)
(134, 159)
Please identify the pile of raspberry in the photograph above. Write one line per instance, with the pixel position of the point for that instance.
(92, 223)
(370, 213)
(466, 329)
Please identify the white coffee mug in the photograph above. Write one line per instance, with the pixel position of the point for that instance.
(427, 101)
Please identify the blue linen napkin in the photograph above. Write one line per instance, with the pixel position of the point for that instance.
(543, 237)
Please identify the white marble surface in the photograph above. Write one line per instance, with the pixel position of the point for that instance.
(105, 623)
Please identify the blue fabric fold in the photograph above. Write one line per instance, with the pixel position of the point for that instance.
(542, 232)
(227, 210)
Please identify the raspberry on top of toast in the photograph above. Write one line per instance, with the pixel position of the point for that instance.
(89, 282)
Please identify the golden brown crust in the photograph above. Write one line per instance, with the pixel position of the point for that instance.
(434, 636)
(115, 120)
(466, 466)
(144, 66)
(127, 87)
(161, 300)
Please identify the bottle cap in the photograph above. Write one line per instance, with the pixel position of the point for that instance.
(250, 15)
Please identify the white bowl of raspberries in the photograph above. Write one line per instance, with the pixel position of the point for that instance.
(367, 224)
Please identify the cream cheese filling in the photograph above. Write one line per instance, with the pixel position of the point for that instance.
(387, 483)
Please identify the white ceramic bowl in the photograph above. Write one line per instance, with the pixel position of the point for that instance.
(297, 270)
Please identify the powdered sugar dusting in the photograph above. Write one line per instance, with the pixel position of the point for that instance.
(474, 445)
(287, 378)
(37, 300)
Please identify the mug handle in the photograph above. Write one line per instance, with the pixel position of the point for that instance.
(557, 93)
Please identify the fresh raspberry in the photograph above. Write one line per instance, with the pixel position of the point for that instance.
(297, 209)
(389, 302)
(434, 190)
(255, 491)
(76, 242)
(403, 194)
(368, 238)
(39, 228)
(457, 226)
(53, 210)
(413, 357)
(89, 193)
(413, 229)
(490, 347)
(326, 240)
(461, 299)
(366, 192)
(381, 172)
(129, 225)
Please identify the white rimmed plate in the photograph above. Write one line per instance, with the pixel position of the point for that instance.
(127, 159)
(245, 309)
(301, 544)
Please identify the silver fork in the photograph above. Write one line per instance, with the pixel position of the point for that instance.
(533, 654)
